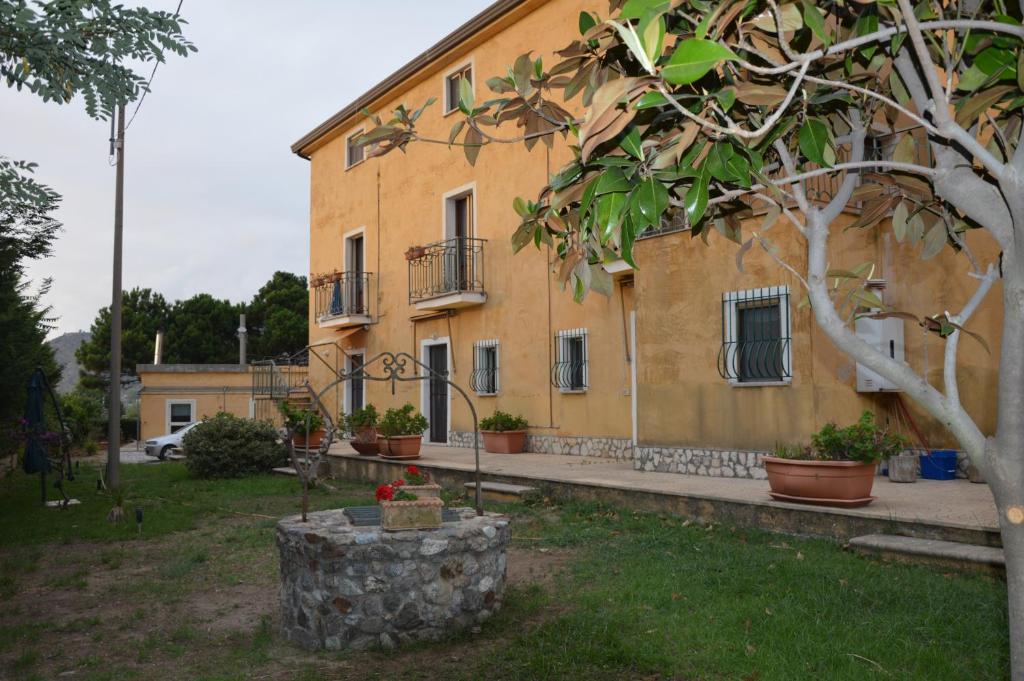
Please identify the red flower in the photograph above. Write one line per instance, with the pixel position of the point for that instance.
(398, 483)
(412, 470)
(385, 493)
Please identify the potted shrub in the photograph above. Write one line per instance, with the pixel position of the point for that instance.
(504, 433)
(306, 426)
(401, 509)
(414, 252)
(401, 433)
(362, 423)
(416, 481)
(837, 470)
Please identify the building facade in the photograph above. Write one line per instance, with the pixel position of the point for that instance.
(174, 395)
(689, 366)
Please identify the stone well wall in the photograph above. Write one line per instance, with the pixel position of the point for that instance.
(360, 587)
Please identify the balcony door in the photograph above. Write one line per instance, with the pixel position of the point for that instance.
(355, 280)
(458, 232)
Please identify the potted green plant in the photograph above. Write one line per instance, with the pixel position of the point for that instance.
(504, 433)
(838, 469)
(401, 509)
(362, 423)
(401, 433)
(306, 426)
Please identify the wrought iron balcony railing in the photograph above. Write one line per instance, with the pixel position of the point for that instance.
(347, 296)
(446, 267)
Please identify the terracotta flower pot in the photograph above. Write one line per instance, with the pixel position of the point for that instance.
(400, 447)
(428, 491)
(828, 483)
(421, 514)
(504, 441)
(365, 448)
(308, 441)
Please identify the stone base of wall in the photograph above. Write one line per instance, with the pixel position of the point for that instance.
(619, 449)
(345, 587)
(714, 463)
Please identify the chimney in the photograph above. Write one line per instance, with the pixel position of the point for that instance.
(158, 347)
(243, 336)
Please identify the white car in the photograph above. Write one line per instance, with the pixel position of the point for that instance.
(161, 446)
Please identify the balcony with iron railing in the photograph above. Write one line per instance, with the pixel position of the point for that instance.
(342, 299)
(447, 274)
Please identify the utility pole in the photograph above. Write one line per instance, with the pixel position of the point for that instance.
(113, 473)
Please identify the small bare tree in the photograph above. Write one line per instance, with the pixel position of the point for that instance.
(306, 460)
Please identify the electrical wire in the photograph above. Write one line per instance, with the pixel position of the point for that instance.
(145, 91)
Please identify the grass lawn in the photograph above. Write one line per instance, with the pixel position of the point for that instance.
(595, 593)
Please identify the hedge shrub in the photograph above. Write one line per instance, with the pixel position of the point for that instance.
(227, 446)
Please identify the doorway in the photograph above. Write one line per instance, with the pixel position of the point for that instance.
(459, 229)
(355, 287)
(435, 356)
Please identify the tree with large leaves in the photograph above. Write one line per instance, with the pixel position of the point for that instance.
(698, 111)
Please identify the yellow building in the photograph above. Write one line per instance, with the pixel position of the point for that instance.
(174, 395)
(416, 253)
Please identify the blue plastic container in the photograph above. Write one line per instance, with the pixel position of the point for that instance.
(939, 464)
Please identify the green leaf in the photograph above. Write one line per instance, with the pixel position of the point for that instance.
(456, 129)
(612, 180)
(696, 200)
(652, 37)
(636, 9)
(718, 157)
(465, 96)
(693, 59)
(650, 100)
(587, 22)
(651, 199)
(867, 23)
(814, 21)
(632, 40)
(631, 143)
(934, 240)
(608, 214)
(519, 205)
(899, 222)
(814, 139)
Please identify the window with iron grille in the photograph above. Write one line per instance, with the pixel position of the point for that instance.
(452, 85)
(485, 379)
(756, 336)
(570, 373)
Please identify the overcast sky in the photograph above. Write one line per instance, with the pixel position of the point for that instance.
(214, 200)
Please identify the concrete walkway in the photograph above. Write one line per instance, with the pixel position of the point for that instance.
(955, 504)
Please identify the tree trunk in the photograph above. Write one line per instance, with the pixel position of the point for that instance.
(1010, 504)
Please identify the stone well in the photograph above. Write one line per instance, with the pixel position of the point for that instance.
(344, 586)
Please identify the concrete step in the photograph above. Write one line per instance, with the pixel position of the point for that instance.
(500, 491)
(176, 456)
(932, 551)
(285, 470)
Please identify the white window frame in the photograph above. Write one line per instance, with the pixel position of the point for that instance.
(461, 66)
(167, 412)
(730, 331)
(478, 353)
(562, 351)
(348, 139)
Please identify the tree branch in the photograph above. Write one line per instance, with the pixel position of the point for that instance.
(953, 341)
(838, 203)
(787, 162)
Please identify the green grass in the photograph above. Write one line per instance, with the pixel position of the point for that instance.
(654, 597)
(641, 596)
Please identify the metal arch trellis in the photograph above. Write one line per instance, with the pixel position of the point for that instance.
(393, 369)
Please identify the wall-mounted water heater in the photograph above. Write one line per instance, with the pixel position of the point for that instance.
(886, 336)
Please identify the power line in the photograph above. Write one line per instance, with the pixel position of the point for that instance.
(151, 76)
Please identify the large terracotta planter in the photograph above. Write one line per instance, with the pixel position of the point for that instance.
(827, 483)
(504, 441)
(310, 441)
(428, 491)
(400, 447)
(422, 514)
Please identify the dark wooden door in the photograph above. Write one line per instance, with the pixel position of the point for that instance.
(437, 360)
(356, 267)
(355, 384)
